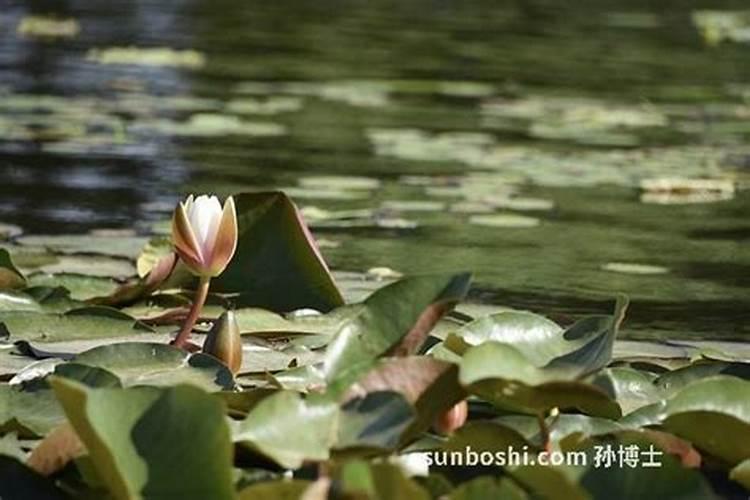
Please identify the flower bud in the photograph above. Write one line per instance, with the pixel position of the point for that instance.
(452, 419)
(224, 341)
(204, 234)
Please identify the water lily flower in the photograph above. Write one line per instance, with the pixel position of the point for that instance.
(224, 341)
(204, 234)
(205, 238)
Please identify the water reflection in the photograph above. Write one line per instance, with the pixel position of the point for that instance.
(473, 119)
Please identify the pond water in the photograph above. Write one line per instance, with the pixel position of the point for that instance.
(517, 139)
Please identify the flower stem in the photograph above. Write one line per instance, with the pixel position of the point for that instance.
(200, 298)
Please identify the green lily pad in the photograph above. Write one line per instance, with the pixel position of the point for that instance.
(559, 426)
(30, 412)
(630, 388)
(18, 301)
(85, 323)
(501, 374)
(147, 56)
(277, 265)
(504, 220)
(142, 363)
(672, 382)
(105, 244)
(272, 428)
(399, 314)
(81, 286)
(152, 442)
(339, 182)
(539, 338)
(713, 414)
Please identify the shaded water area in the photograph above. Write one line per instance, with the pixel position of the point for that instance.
(509, 138)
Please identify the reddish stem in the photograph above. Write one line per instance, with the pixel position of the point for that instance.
(200, 298)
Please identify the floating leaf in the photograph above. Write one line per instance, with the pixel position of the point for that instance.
(272, 428)
(504, 220)
(150, 442)
(629, 268)
(142, 363)
(86, 323)
(105, 244)
(713, 414)
(398, 316)
(277, 265)
(502, 375)
(152, 56)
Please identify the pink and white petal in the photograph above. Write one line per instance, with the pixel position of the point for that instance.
(225, 243)
(184, 239)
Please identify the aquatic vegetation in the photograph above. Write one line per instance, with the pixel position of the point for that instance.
(148, 56)
(385, 384)
(718, 26)
(48, 27)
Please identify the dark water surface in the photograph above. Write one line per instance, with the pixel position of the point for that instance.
(447, 113)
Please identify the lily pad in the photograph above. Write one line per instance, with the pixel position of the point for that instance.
(713, 414)
(399, 315)
(501, 374)
(272, 428)
(86, 323)
(142, 363)
(152, 442)
(504, 220)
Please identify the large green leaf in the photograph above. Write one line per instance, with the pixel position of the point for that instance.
(502, 375)
(584, 347)
(277, 264)
(148, 442)
(105, 244)
(539, 338)
(714, 414)
(592, 339)
(289, 428)
(558, 427)
(632, 389)
(672, 382)
(399, 314)
(33, 411)
(144, 363)
(86, 323)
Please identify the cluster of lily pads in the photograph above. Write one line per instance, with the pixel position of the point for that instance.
(334, 399)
